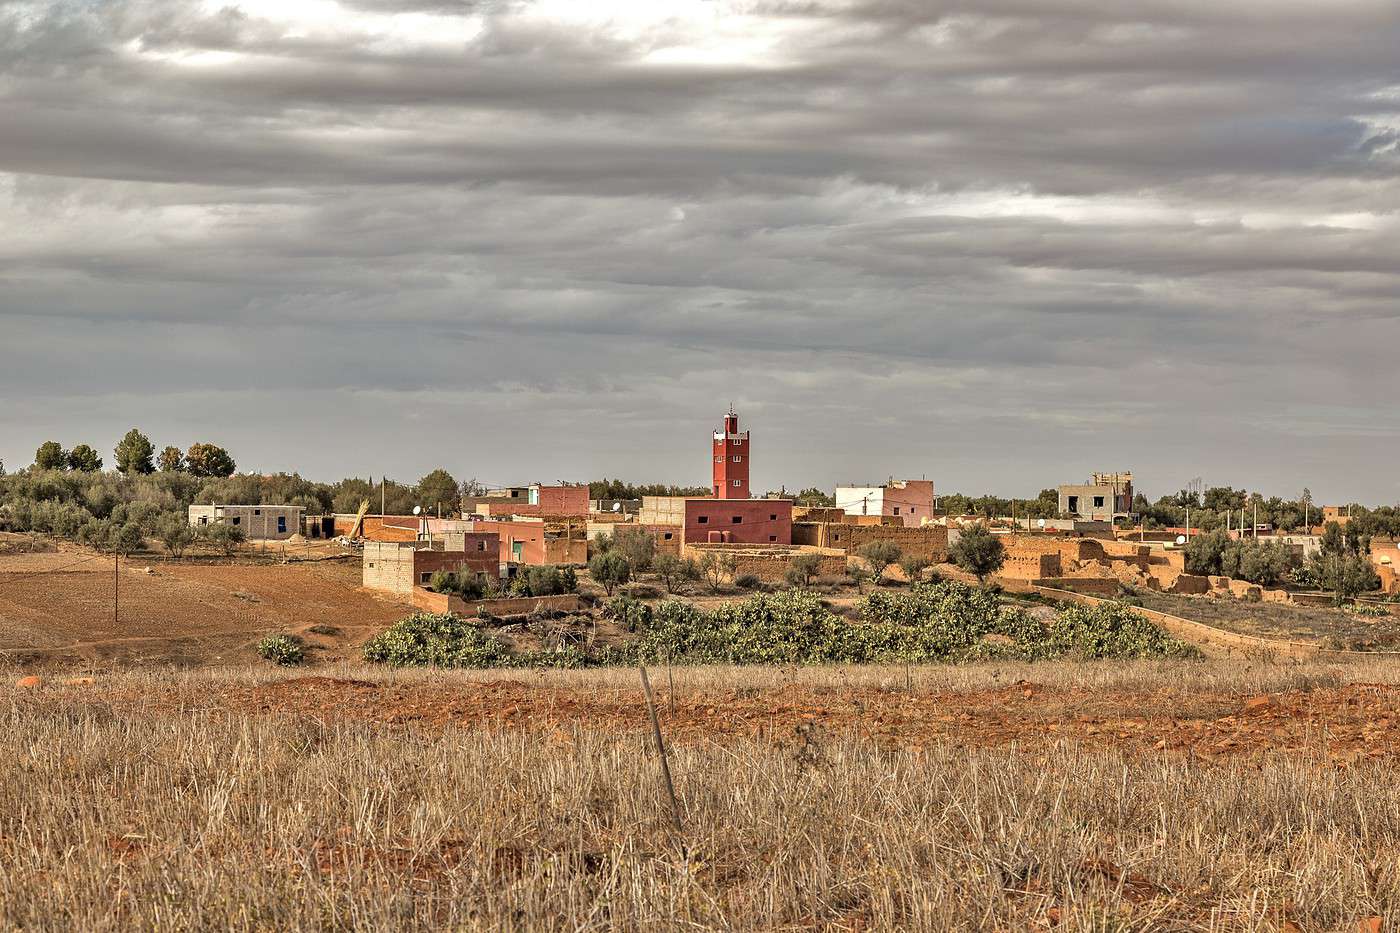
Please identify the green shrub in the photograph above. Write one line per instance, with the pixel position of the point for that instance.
(437, 640)
(748, 581)
(286, 650)
(930, 623)
(610, 570)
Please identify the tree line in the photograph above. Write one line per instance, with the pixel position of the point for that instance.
(147, 494)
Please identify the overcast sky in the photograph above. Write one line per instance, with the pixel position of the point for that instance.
(1000, 244)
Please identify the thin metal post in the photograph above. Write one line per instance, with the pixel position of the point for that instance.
(661, 751)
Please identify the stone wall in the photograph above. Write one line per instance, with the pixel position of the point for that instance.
(929, 542)
(770, 563)
(429, 601)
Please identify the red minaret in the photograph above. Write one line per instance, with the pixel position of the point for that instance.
(731, 453)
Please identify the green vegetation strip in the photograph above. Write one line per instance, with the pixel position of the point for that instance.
(931, 623)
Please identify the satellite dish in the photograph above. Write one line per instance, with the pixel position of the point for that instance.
(417, 510)
(1180, 539)
(1041, 523)
(617, 507)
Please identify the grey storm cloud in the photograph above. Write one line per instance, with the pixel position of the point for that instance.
(1000, 244)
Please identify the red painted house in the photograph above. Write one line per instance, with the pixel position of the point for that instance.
(738, 521)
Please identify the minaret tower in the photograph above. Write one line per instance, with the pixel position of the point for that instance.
(731, 455)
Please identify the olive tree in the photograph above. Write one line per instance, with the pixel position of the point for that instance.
(609, 570)
(978, 552)
(879, 555)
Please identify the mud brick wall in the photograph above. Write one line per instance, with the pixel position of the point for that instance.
(929, 542)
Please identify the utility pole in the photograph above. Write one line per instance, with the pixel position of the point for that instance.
(116, 583)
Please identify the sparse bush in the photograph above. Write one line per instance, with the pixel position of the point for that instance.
(748, 581)
(879, 555)
(125, 538)
(610, 570)
(978, 552)
(717, 567)
(913, 567)
(286, 650)
(638, 546)
(443, 581)
(674, 571)
(224, 537)
(96, 533)
(545, 580)
(802, 569)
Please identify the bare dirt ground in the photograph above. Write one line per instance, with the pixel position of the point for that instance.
(1331, 715)
(57, 608)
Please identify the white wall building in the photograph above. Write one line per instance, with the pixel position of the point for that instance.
(909, 500)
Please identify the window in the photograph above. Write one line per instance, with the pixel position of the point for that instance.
(666, 536)
(703, 520)
(737, 519)
(719, 460)
(773, 518)
(257, 511)
(481, 545)
(896, 510)
(836, 537)
(281, 524)
(371, 565)
(772, 537)
(1098, 502)
(236, 519)
(204, 519)
(737, 442)
(424, 577)
(738, 459)
(737, 483)
(911, 510)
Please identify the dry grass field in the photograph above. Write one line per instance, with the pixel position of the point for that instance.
(1142, 796)
(1324, 625)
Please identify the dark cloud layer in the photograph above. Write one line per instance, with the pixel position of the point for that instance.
(1001, 244)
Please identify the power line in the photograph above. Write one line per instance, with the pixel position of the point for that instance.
(40, 573)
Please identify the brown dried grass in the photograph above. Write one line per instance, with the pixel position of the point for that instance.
(118, 819)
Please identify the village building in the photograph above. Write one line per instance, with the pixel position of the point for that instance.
(534, 501)
(257, 522)
(909, 500)
(534, 542)
(1385, 557)
(400, 567)
(1106, 497)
